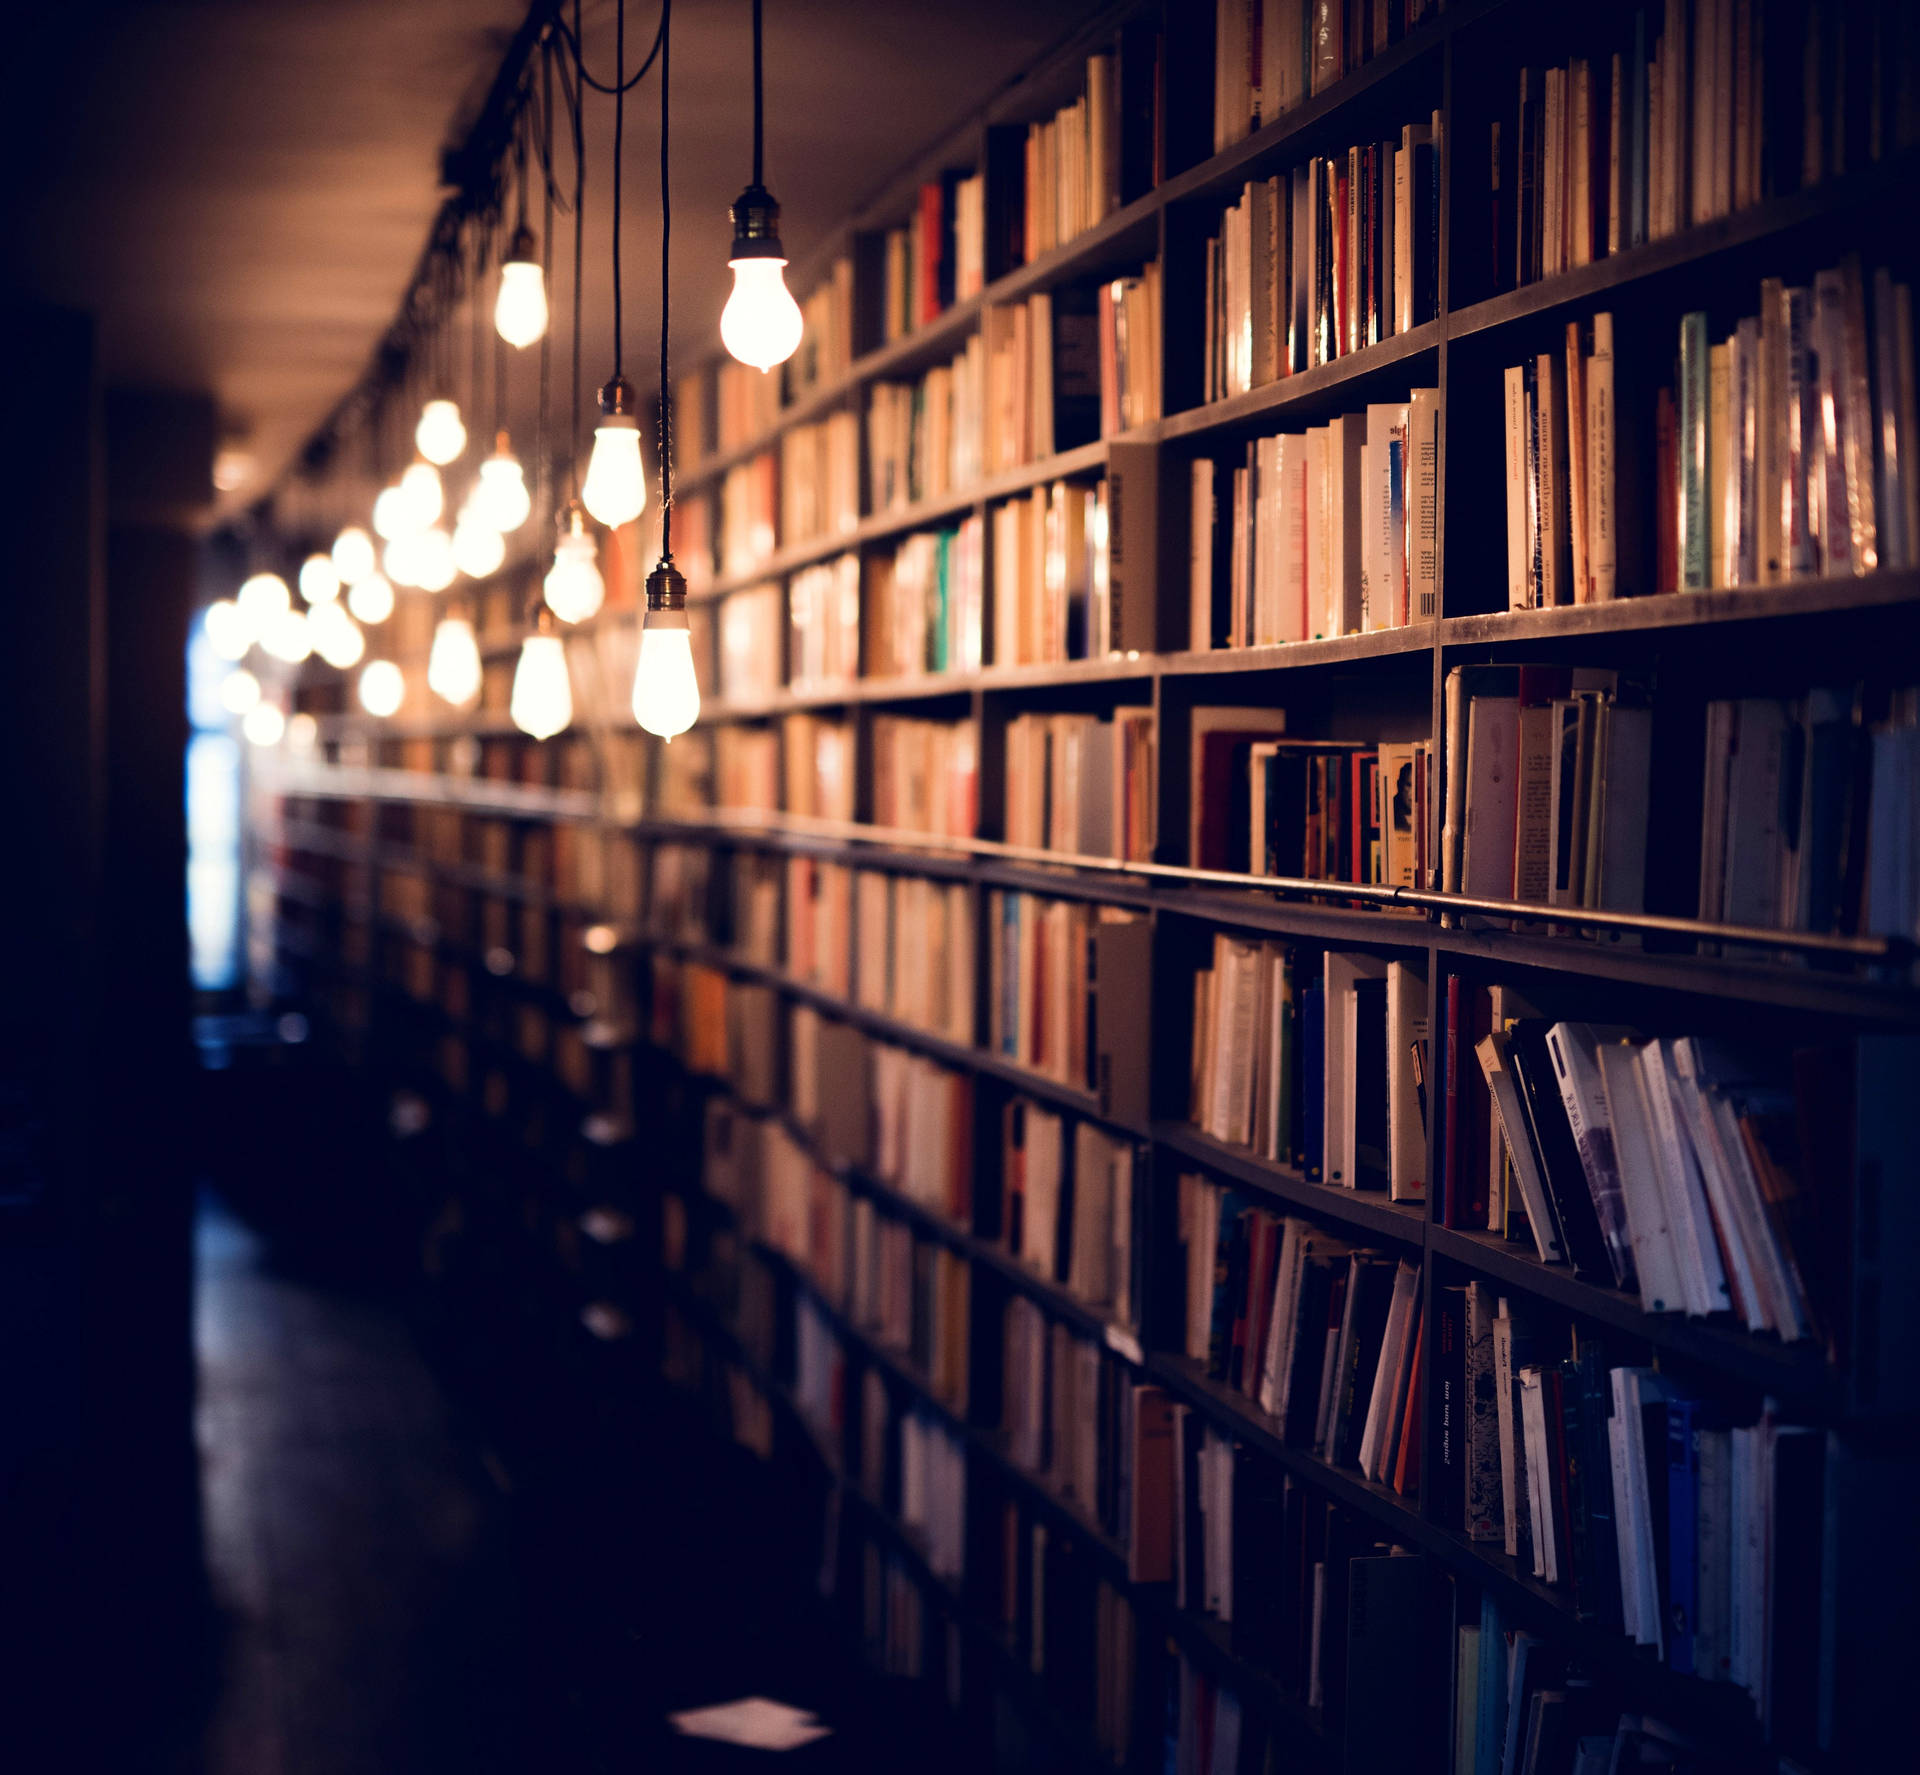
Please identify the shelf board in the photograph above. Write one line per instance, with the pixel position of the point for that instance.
(1669, 610)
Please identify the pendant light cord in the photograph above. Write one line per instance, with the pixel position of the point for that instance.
(543, 458)
(579, 241)
(619, 140)
(757, 127)
(666, 286)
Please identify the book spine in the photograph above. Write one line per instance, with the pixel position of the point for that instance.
(1695, 538)
(1602, 528)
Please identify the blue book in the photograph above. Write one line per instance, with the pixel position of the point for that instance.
(1696, 534)
(1313, 1072)
(942, 557)
(1683, 1526)
(1010, 975)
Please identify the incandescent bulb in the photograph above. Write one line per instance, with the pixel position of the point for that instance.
(239, 691)
(434, 568)
(440, 436)
(542, 702)
(303, 732)
(353, 557)
(336, 636)
(453, 662)
(392, 513)
(319, 579)
(424, 498)
(761, 323)
(264, 724)
(574, 589)
(400, 558)
(520, 310)
(371, 599)
(382, 687)
(287, 637)
(478, 548)
(229, 633)
(666, 696)
(615, 489)
(501, 498)
(261, 599)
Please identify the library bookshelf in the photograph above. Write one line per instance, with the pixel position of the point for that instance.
(665, 1002)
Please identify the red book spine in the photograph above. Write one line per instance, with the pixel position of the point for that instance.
(930, 244)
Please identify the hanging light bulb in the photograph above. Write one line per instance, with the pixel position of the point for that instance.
(400, 558)
(382, 687)
(440, 436)
(574, 589)
(520, 310)
(761, 323)
(615, 490)
(371, 599)
(229, 633)
(501, 498)
(264, 724)
(666, 695)
(434, 566)
(336, 636)
(261, 599)
(453, 662)
(319, 579)
(239, 691)
(287, 637)
(353, 557)
(542, 701)
(478, 548)
(303, 732)
(425, 498)
(393, 513)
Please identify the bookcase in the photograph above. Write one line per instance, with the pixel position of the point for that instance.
(1083, 1059)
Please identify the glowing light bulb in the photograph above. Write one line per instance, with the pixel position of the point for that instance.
(399, 558)
(615, 489)
(264, 724)
(425, 498)
(761, 323)
(453, 662)
(336, 636)
(478, 548)
(261, 599)
(229, 633)
(382, 687)
(542, 702)
(434, 567)
(501, 498)
(440, 436)
(666, 694)
(520, 310)
(287, 637)
(303, 732)
(239, 691)
(392, 513)
(573, 587)
(371, 599)
(353, 557)
(319, 579)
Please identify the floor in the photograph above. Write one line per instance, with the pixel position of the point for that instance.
(393, 1599)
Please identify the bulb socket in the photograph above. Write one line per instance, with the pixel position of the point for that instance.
(618, 401)
(667, 593)
(756, 226)
(521, 249)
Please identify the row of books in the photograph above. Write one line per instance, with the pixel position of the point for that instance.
(1064, 1410)
(1321, 1068)
(933, 1490)
(1081, 784)
(820, 479)
(748, 628)
(1330, 531)
(1323, 1336)
(925, 775)
(819, 925)
(916, 951)
(1270, 56)
(1687, 112)
(817, 754)
(1052, 573)
(926, 438)
(1066, 1205)
(923, 607)
(1068, 992)
(825, 352)
(749, 528)
(1131, 385)
(1551, 807)
(937, 257)
(823, 623)
(1311, 265)
(1072, 164)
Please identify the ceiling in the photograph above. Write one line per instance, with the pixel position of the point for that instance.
(239, 189)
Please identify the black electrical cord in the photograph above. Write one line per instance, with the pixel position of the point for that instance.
(543, 451)
(666, 288)
(579, 244)
(757, 127)
(621, 84)
(619, 145)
